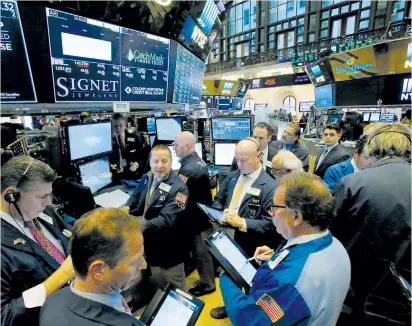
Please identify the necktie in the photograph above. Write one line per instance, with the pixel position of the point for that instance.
(155, 183)
(238, 191)
(322, 157)
(45, 243)
(121, 145)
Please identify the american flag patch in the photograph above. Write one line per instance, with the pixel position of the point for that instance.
(271, 308)
(184, 178)
(180, 198)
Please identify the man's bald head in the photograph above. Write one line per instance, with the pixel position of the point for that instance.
(285, 162)
(248, 155)
(185, 144)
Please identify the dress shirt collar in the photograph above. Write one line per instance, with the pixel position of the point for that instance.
(329, 148)
(305, 238)
(254, 175)
(355, 168)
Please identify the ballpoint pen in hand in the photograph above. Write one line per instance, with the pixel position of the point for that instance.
(261, 254)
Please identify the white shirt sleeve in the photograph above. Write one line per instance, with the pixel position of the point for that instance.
(34, 297)
(244, 227)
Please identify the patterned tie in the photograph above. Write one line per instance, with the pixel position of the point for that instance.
(238, 191)
(121, 145)
(45, 243)
(126, 306)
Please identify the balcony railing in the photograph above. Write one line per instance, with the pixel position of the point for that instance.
(284, 55)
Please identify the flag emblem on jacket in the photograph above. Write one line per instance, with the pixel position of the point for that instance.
(181, 198)
(271, 308)
(184, 178)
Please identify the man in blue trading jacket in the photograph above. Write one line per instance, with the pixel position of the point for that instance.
(304, 283)
(107, 253)
(160, 201)
(195, 174)
(244, 195)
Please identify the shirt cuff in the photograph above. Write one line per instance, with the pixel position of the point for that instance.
(244, 227)
(34, 297)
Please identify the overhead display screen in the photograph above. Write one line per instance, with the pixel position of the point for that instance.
(209, 101)
(325, 96)
(188, 77)
(224, 102)
(17, 81)
(93, 61)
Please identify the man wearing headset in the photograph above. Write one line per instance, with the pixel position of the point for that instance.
(244, 195)
(35, 260)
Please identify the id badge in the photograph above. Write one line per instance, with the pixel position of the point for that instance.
(124, 162)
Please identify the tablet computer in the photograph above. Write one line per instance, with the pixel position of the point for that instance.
(215, 215)
(130, 183)
(232, 258)
(172, 307)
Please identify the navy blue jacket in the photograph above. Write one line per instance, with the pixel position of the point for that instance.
(195, 173)
(165, 231)
(336, 172)
(260, 228)
(65, 308)
(24, 266)
(298, 149)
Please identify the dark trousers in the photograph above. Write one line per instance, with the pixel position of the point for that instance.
(203, 259)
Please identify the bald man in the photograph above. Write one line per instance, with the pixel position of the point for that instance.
(245, 196)
(285, 162)
(195, 174)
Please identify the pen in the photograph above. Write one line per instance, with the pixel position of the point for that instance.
(263, 253)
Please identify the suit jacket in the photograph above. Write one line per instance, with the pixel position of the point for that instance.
(272, 151)
(298, 149)
(65, 308)
(165, 229)
(336, 172)
(373, 222)
(260, 228)
(24, 265)
(336, 155)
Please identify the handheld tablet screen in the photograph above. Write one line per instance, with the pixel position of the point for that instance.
(176, 310)
(239, 262)
(215, 214)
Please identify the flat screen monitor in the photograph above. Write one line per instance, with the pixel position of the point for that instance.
(151, 128)
(231, 128)
(375, 117)
(96, 174)
(237, 104)
(18, 86)
(242, 89)
(175, 160)
(168, 128)
(334, 118)
(224, 103)
(318, 73)
(387, 117)
(89, 139)
(94, 61)
(224, 154)
(209, 101)
(305, 106)
(325, 96)
(366, 116)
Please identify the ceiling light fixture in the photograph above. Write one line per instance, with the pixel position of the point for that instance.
(164, 3)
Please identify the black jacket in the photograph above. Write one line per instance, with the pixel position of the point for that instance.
(336, 155)
(24, 266)
(260, 228)
(298, 149)
(373, 222)
(195, 173)
(65, 308)
(165, 231)
(136, 149)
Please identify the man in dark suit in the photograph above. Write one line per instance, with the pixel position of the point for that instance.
(160, 201)
(35, 259)
(373, 222)
(107, 253)
(262, 133)
(290, 142)
(130, 152)
(333, 153)
(245, 195)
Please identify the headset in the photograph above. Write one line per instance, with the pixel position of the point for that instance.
(254, 141)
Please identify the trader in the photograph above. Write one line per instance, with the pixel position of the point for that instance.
(244, 196)
(306, 281)
(262, 133)
(107, 253)
(35, 259)
(285, 162)
(374, 219)
(130, 152)
(333, 152)
(195, 174)
(290, 142)
(160, 200)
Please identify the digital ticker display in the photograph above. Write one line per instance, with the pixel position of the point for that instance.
(231, 128)
(17, 82)
(93, 61)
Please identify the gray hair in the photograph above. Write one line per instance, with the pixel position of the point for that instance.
(307, 194)
(13, 170)
(289, 161)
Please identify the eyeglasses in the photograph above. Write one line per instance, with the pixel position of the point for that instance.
(271, 208)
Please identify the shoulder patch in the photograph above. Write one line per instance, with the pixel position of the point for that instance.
(270, 307)
(181, 198)
(184, 178)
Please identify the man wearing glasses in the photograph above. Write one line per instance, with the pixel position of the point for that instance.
(306, 280)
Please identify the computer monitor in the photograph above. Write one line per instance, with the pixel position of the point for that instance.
(87, 140)
(387, 117)
(375, 117)
(168, 128)
(224, 154)
(175, 160)
(151, 128)
(96, 174)
(334, 118)
(231, 128)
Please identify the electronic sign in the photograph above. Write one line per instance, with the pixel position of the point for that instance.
(17, 81)
(227, 88)
(277, 81)
(93, 61)
(256, 83)
(301, 79)
(305, 106)
(209, 101)
(324, 96)
(224, 102)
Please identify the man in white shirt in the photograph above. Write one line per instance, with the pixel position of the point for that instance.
(34, 241)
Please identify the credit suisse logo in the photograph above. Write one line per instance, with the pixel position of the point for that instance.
(270, 82)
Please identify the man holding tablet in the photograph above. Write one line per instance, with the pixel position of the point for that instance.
(306, 281)
(244, 195)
